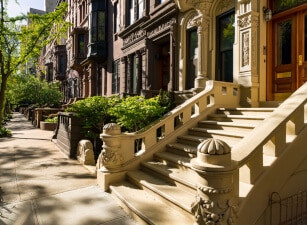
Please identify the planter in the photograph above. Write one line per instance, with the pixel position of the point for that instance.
(47, 125)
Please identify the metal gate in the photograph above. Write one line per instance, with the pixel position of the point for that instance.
(289, 211)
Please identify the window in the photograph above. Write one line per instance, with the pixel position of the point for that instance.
(135, 10)
(116, 17)
(61, 68)
(134, 74)
(225, 40)
(81, 46)
(115, 77)
(140, 8)
(281, 5)
(192, 59)
(131, 11)
(50, 73)
(98, 26)
(98, 22)
(99, 81)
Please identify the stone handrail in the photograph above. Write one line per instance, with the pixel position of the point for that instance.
(121, 151)
(271, 137)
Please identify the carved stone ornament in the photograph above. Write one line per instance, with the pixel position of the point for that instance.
(248, 20)
(212, 152)
(208, 212)
(225, 5)
(161, 27)
(134, 37)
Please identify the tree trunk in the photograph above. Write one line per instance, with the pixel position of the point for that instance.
(2, 96)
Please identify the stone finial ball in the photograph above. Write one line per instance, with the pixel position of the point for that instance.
(213, 146)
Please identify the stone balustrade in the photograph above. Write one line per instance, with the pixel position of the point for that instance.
(125, 151)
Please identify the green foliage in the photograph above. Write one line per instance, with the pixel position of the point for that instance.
(134, 113)
(31, 90)
(4, 132)
(94, 112)
(20, 43)
(52, 120)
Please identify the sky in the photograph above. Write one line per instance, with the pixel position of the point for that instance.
(24, 6)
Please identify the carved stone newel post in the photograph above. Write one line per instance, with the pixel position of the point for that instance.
(110, 159)
(217, 189)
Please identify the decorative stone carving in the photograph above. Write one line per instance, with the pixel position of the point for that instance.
(110, 158)
(85, 153)
(212, 151)
(248, 19)
(134, 37)
(204, 208)
(225, 5)
(216, 202)
(245, 49)
(161, 27)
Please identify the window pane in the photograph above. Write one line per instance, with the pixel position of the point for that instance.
(94, 26)
(284, 42)
(141, 8)
(131, 12)
(227, 32)
(192, 58)
(115, 77)
(101, 26)
(116, 17)
(134, 75)
(280, 5)
(81, 45)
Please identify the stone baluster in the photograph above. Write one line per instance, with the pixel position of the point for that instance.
(217, 188)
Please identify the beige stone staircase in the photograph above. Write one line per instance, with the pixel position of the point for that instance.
(163, 190)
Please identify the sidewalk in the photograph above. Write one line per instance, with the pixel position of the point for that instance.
(40, 186)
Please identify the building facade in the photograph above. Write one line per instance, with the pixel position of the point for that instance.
(143, 46)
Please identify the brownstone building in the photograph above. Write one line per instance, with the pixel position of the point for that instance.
(115, 47)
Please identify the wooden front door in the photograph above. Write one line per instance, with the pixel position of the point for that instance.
(289, 61)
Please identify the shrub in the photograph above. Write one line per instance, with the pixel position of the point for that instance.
(4, 132)
(52, 120)
(135, 113)
(94, 114)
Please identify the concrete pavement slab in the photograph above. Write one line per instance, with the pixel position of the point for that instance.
(39, 185)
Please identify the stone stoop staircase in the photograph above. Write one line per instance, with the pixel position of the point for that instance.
(163, 190)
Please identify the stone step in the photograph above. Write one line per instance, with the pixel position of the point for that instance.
(166, 192)
(182, 149)
(243, 119)
(174, 160)
(214, 133)
(196, 140)
(229, 126)
(184, 178)
(146, 208)
(245, 111)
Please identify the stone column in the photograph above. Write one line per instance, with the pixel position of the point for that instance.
(218, 184)
(202, 22)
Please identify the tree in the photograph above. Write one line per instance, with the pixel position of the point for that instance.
(19, 43)
(29, 89)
